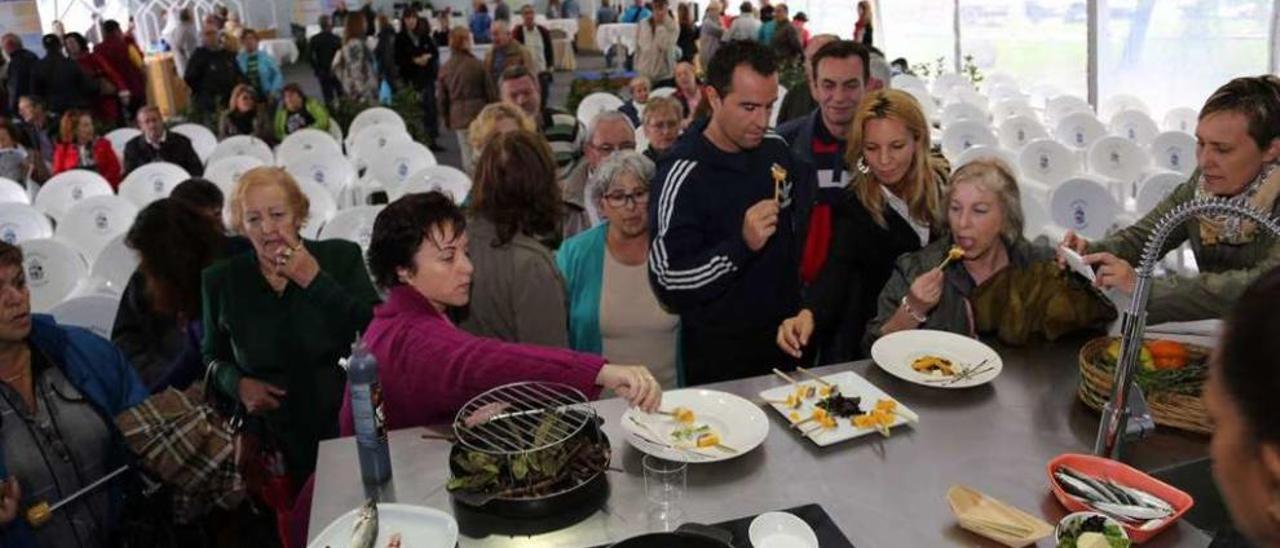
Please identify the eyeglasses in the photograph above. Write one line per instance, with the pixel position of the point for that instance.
(619, 199)
(608, 148)
(664, 126)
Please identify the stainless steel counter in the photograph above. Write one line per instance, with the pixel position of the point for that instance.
(882, 492)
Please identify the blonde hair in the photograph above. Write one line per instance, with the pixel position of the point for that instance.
(918, 189)
(485, 126)
(658, 105)
(994, 176)
(265, 176)
(239, 90)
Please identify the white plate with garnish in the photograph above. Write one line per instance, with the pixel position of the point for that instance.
(799, 404)
(940, 359)
(690, 416)
(417, 527)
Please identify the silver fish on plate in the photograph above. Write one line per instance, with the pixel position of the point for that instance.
(1130, 512)
(1119, 501)
(365, 531)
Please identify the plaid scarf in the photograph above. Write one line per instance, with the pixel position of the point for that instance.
(1260, 194)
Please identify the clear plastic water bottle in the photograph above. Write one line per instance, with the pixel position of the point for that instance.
(367, 414)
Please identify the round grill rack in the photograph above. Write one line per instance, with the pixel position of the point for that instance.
(522, 417)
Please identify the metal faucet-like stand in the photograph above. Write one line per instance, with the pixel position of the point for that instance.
(1126, 397)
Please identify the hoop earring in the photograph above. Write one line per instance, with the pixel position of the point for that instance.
(861, 166)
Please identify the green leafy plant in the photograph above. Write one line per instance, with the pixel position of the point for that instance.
(582, 87)
(971, 70)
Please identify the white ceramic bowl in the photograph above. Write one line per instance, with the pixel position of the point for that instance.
(1071, 519)
(781, 530)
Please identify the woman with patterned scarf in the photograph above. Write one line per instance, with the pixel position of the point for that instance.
(1237, 156)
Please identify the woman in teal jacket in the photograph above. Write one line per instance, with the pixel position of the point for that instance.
(612, 309)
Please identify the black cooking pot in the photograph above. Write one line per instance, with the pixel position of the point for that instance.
(689, 535)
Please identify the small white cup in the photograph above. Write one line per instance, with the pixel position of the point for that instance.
(781, 530)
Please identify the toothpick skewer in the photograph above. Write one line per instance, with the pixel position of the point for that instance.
(785, 376)
(811, 375)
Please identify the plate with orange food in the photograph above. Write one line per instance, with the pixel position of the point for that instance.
(939, 359)
(697, 425)
(839, 407)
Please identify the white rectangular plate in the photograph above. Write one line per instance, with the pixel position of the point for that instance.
(850, 384)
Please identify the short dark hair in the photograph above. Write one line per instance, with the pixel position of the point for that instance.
(843, 49)
(200, 193)
(175, 242)
(294, 87)
(10, 255)
(516, 72)
(738, 52)
(1250, 358)
(78, 39)
(1255, 97)
(110, 26)
(52, 44)
(399, 229)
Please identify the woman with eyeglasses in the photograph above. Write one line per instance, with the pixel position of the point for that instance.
(612, 309)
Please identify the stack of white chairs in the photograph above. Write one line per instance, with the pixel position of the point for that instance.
(331, 171)
(595, 103)
(965, 134)
(63, 190)
(948, 84)
(353, 224)
(305, 141)
(906, 82)
(93, 222)
(1009, 108)
(152, 182)
(1121, 102)
(119, 138)
(1062, 106)
(963, 111)
(20, 222)
(1174, 151)
(13, 191)
(448, 180)
(400, 160)
(53, 269)
(203, 141)
(243, 145)
(1017, 131)
(1134, 125)
(1181, 119)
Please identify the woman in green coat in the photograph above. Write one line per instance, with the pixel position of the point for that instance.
(278, 319)
(1000, 283)
(1237, 156)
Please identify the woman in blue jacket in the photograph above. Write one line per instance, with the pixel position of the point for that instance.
(612, 310)
(60, 389)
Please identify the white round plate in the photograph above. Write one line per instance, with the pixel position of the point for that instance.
(741, 425)
(895, 352)
(781, 530)
(419, 527)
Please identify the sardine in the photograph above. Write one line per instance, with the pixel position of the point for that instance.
(1143, 498)
(1133, 513)
(1079, 488)
(365, 531)
(1097, 485)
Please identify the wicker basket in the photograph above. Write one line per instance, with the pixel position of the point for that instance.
(1181, 411)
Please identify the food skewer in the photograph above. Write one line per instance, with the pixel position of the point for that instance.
(785, 376)
(815, 377)
(954, 254)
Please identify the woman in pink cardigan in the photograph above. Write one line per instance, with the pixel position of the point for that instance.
(427, 366)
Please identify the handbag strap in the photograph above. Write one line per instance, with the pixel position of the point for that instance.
(220, 403)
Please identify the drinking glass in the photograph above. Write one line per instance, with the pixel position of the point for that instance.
(664, 484)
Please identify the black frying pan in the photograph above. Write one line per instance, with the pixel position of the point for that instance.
(689, 535)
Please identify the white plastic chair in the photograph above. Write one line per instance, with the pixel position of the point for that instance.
(664, 91)
(946, 84)
(1118, 158)
(93, 222)
(1155, 189)
(595, 103)
(335, 131)
(243, 145)
(1035, 214)
(777, 107)
(97, 313)
(1009, 108)
(1135, 126)
(115, 264)
(970, 96)
(371, 141)
(1079, 130)
(1121, 102)
(1015, 132)
(449, 180)
(1065, 105)
(203, 141)
(361, 191)
(224, 172)
(13, 191)
(54, 269)
(1181, 119)
(986, 152)
(927, 104)
(1084, 205)
(119, 138)
(20, 222)
(999, 79)
(964, 134)
(1005, 92)
(376, 116)
(63, 190)
(323, 208)
(1040, 94)
(904, 82)
(151, 182)
(398, 161)
(354, 225)
(305, 141)
(1174, 151)
(1047, 161)
(331, 171)
(961, 111)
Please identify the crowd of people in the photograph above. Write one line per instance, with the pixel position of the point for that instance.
(724, 249)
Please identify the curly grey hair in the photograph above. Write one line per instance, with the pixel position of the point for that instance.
(623, 162)
(996, 177)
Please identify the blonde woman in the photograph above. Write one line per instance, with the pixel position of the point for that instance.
(495, 119)
(245, 115)
(893, 207)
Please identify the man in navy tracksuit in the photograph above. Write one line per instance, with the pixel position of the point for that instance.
(728, 224)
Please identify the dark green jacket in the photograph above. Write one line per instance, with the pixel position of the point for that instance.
(1225, 270)
(293, 340)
